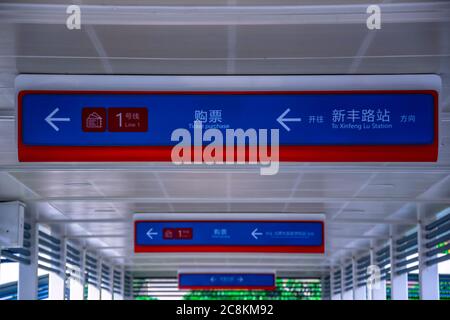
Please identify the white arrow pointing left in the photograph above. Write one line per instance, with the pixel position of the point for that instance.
(255, 233)
(50, 119)
(150, 233)
(281, 119)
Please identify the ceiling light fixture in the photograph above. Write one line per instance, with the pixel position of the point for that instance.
(77, 184)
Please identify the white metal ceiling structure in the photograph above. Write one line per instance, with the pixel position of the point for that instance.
(93, 203)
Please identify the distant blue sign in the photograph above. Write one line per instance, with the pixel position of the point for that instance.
(217, 236)
(226, 281)
(90, 119)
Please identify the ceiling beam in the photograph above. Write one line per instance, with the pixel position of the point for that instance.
(386, 221)
(356, 237)
(227, 15)
(224, 264)
(285, 167)
(89, 236)
(328, 221)
(66, 221)
(238, 256)
(245, 200)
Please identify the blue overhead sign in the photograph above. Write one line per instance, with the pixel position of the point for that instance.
(202, 281)
(57, 119)
(229, 236)
(313, 126)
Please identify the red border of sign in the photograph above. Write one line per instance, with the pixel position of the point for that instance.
(268, 288)
(329, 153)
(233, 248)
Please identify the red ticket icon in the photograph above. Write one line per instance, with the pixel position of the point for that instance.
(93, 119)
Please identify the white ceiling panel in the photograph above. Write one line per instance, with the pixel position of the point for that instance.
(400, 185)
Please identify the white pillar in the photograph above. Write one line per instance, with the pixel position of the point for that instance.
(83, 270)
(372, 262)
(428, 275)
(111, 284)
(99, 279)
(359, 293)
(106, 294)
(325, 283)
(332, 287)
(55, 287)
(93, 292)
(122, 282)
(322, 281)
(64, 265)
(27, 287)
(76, 285)
(99, 283)
(76, 289)
(346, 295)
(120, 296)
(399, 283)
(378, 292)
(56, 280)
(131, 287)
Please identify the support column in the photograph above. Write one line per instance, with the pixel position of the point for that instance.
(99, 283)
(131, 297)
(120, 296)
(77, 285)
(332, 287)
(122, 283)
(105, 294)
(399, 283)
(324, 283)
(378, 292)
(369, 289)
(93, 291)
(76, 289)
(27, 287)
(359, 293)
(346, 295)
(428, 275)
(111, 284)
(56, 285)
(83, 271)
